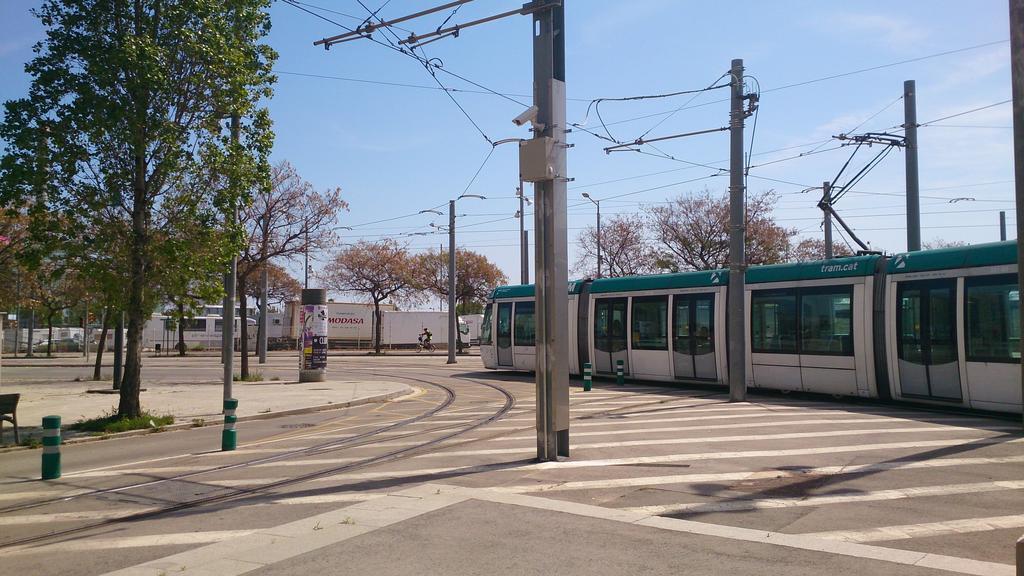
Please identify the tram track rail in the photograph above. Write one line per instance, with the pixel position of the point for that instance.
(234, 493)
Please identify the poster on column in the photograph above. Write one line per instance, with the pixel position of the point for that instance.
(314, 336)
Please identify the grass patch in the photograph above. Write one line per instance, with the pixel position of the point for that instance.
(254, 376)
(31, 442)
(110, 423)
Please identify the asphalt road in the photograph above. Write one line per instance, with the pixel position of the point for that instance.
(660, 480)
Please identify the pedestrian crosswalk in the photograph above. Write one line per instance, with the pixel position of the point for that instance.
(657, 453)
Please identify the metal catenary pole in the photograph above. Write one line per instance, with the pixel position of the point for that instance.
(524, 258)
(827, 199)
(1002, 225)
(599, 262)
(229, 285)
(1017, 80)
(118, 350)
(261, 345)
(913, 187)
(737, 233)
(550, 235)
(453, 323)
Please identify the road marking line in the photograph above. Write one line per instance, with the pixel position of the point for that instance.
(874, 496)
(87, 515)
(772, 424)
(716, 439)
(786, 412)
(923, 530)
(176, 539)
(755, 474)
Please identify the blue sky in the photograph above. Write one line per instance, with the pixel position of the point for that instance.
(397, 149)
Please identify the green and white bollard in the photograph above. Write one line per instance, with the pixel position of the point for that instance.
(51, 447)
(620, 372)
(229, 438)
(588, 376)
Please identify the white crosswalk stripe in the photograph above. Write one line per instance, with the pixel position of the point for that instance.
(716, 439)
(756, 474)
(924, 529)
(772, 424)
(877, 495)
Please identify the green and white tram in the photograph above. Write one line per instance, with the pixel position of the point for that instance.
(937, 326)
(953, 331)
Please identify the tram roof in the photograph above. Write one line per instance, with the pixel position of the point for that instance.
(819, 269)
(989, 254)
(527, 290)
(661, 281)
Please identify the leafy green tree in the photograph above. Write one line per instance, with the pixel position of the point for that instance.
(120, 139)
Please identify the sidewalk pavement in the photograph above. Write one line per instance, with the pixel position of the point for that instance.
(195, 400)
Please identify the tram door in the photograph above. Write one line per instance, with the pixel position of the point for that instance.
(503, 336)
(610, 334)
(926, 320)
(693, 336)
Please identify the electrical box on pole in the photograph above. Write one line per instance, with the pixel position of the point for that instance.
(537, 158)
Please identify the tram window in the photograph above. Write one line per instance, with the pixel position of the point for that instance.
(993, 306)
(485, 328)
(218, 325)
(826, 325)
(650, 323)
(194, 324)
(525, 328)
(773, 321)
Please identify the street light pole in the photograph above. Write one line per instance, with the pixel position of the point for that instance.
(453, 321)
(229, 285)
(524, 257)
(598, 204)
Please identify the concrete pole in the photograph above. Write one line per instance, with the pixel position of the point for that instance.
(17, 314)
(550, 236)
(524, 258)
(118, 350)
(31, 331)
(827, 199)
(85, 333)
(1017, 81)
(1002, 225)
(229, 285)
(737, 233)
(913, 187)
(261, 345)
(453, 322)
(599, 262)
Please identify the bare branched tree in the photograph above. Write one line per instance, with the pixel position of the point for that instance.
(694, 231)
(282, 223)
(625, 250)
(379, 271)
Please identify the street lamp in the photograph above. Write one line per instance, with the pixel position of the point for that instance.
(598, 204)
(524, 244)
(306, 250)
(453, 319)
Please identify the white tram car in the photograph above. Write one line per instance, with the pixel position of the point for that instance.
(937, 326)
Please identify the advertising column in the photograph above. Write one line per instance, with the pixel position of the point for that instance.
(313, 323)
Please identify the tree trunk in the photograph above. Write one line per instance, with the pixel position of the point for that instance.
(377, 328)
(131, 383)
(96, 372)
(243, 326)
(49, 334)
(181, 328)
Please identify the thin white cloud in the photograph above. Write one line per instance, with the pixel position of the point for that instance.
(974, 67)
(879, 28)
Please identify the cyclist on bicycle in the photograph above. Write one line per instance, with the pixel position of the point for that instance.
(425, 339)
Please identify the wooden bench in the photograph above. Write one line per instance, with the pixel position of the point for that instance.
(9, 412)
